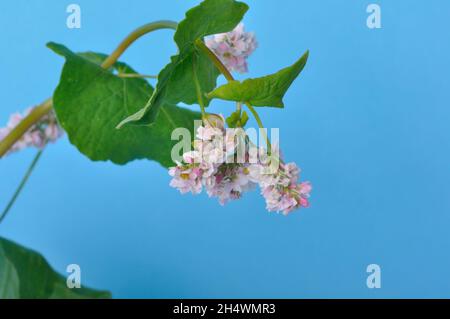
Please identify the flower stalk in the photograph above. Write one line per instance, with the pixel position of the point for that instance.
(133, 36)
(21, 185)
(43, 109)
(29, 121)
(223, 69)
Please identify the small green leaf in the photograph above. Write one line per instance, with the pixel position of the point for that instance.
(175, 81)
(236, 119)
(9, 280)
(26, 274)
(244, 119)
(264, 91)
(233, 119)
(90, 101)
(209, 17)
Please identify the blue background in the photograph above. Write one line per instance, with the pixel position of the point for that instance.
(368, 122)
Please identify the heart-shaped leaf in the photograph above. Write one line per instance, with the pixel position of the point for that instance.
(26, 274)
(90, 101)
(176, 81)
(264, 91)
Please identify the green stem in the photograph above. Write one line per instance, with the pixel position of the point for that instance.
(260, 124)
(21, 185)
(136, 75)
(198, 88)
(133, 36)
(31, 119)
(239, 107)
(219, 65)
(44, 108)
(223, 69)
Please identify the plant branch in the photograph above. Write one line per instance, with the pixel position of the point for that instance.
(21, 185)
(136, 75)
(214, 59)
(41, 110)
(133, 36)
(239, 107)
(198, 88)
(223, 69)
(31, 119)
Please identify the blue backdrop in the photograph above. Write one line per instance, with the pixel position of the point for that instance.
(368, 122)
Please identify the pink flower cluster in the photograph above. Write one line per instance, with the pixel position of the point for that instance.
(212, 165)
(46, 130)
(233, 48)
(281, 190)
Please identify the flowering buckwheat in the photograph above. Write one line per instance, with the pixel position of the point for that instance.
(233, 48)
(46, 130)
(282, 191)
(208, 165)
(212, 165)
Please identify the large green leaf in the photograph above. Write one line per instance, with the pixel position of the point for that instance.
(26, 274)
(264, 91)
(9, 280)
(90, 101)
(176, 81)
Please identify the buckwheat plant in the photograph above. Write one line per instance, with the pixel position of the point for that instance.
(110, 112)
(44, 131)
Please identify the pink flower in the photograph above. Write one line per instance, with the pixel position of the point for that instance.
(186, 179)
(233, 48)
(46, 130)
(207, 133)
(229, 183)
(3, 132)
(282, 191)
(208, 166)
(14, 119)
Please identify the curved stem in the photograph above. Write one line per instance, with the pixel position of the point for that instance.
(133, 36)
(223, 69)
(260, 124)
(198, 88)
(135, 75)
(219, 65)
(35, 115)
(43, 109)
(21, 185)
(239, 107)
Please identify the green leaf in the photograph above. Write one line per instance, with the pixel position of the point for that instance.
(264, 91)
(236, 119)
(90, 101)
(244, 119)
(9, 280)
(175, 81)
(26, 274)
(233, 119)
(210, 17)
